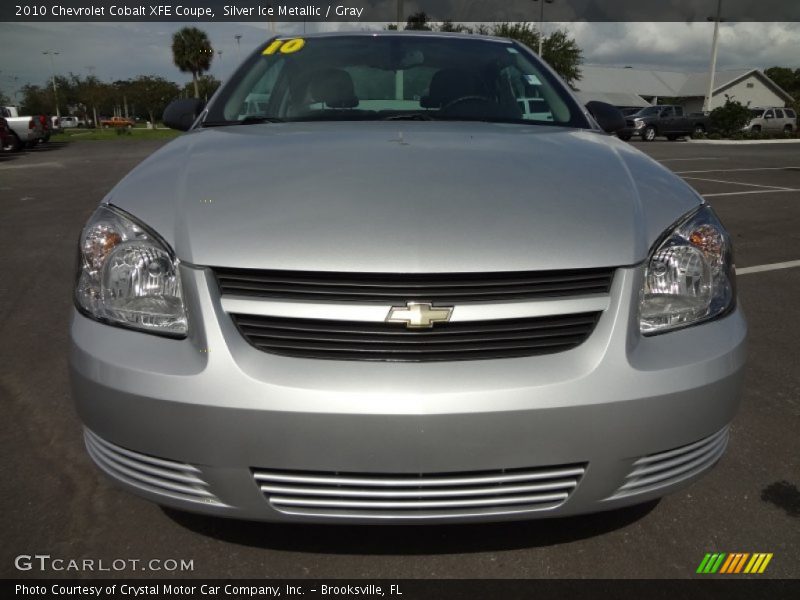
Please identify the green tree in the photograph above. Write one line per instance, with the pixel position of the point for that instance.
(559, 50)
(786, 78)
(449, 26)
(207, 84)
(35, 99)
(418, 22)
(4, 100)
(192, 53)
(152, 93)
(731, 117)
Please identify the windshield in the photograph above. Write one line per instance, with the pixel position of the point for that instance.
(393, 77)
(754, 112)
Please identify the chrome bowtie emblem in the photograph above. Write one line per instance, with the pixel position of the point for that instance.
(419, 315)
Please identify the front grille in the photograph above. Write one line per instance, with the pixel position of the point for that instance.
(672, 466)
(149, 473)
(418, 496)
(465, 340)
(388, 288)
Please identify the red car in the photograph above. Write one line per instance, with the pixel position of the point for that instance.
(47, 128)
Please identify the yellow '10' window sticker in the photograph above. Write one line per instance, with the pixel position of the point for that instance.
(285, 46)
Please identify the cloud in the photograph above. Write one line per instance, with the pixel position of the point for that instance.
(123, 50)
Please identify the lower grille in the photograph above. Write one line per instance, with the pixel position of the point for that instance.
(155, 475)
(418, 496)
(667, 468)
(344, 340)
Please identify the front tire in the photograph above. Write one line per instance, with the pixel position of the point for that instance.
(649, 134)
(699, 130)
(755, 129)
(787, 130)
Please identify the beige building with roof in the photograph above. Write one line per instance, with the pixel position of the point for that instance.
(628, 87)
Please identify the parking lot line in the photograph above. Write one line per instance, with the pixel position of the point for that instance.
(771, 267)
(738, 170)
(32, 166)
(779, 191)
(757, 185)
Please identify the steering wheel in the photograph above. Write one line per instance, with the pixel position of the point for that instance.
(465, 99)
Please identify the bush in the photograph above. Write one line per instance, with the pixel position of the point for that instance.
(730, 118)
(699, 135)
(714, 136)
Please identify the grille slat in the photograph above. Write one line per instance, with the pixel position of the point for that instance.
(503, 338)
(671, 466)
(149, 473)
(418, 496)
(401, 287)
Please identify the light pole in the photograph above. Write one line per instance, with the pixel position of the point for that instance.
(53, 53)
(91, 68)
(712, 69)
(238, 37)
(541, 21)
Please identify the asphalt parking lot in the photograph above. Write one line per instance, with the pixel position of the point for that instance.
(54, 501)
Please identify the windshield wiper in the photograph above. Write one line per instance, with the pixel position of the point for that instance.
(246, 121)
(254, 119)
(411, 117)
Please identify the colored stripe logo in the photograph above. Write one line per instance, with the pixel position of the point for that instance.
(735, 562)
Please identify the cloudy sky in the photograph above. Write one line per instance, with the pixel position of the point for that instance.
(122, 50)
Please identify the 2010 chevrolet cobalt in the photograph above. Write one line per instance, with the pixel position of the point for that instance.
(403, 277)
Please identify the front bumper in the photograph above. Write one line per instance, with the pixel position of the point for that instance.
(631, 418)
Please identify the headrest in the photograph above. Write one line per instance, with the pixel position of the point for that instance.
(448, 85)
(334, 87)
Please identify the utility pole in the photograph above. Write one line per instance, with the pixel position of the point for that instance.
(53, 53)
(712, 69)
(541, 22)
(238, 37)
(94, 99)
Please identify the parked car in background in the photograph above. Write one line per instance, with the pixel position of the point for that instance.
(773, 119)
(46, 128)
(69, 122)
(26, 130)
(666, 120)
(372, 302)
(117, 122)
(5, 136)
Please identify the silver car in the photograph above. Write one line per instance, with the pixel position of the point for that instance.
(368, 286)
(772, 120)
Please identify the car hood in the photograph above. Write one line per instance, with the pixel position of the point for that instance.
(404, 197)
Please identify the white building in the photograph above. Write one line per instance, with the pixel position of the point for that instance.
(628, 87)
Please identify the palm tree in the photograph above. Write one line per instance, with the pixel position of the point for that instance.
(192, 53)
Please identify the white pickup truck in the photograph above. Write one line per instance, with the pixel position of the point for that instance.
(25, 131)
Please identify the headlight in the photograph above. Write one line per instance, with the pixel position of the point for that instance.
(689, 277)
(128, 276)
(638, 123)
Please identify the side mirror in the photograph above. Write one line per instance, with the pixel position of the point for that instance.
(608, 117)
(180, 114)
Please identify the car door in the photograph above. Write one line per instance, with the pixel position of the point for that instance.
(769, 120)
(780, 120)
(680, 123)
(666, 119)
